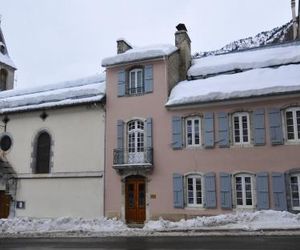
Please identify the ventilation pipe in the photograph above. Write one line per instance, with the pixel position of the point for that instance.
(293, 6)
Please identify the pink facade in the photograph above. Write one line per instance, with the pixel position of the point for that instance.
(246, 159)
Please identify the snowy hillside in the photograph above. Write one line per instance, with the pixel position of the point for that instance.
(276, 35)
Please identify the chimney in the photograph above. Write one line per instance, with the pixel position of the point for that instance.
(183, 43)
(293, 6)
(122, 46)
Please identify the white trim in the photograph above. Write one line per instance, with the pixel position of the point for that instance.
(135, 87)
(193, 119)
(240, 115)
(296, 208)
(296, 139)
(194, 176)
(253, 194)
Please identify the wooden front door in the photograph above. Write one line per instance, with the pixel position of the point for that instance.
(135, 200)
(4, 204)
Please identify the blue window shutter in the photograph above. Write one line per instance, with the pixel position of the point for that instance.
(149, 140)
(275, 124)
(120, 142)
(176, 132)
(121, 83)
(259, 127)
(262, 189)
(178, 191)
(210, 190)
(279, 193)
(209, 139)
(148, 78)
(226, 192)
(223, 130)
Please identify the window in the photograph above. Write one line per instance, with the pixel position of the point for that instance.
(43, 146)
(193, 131)
(136, 82)
(3, 79)
(136, 141)
(194, 191)
(295, 189)
(241, 128)
(244, 191)
(292, 120)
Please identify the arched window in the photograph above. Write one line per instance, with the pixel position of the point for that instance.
(43, 146)
(136, 136)
(3, 79)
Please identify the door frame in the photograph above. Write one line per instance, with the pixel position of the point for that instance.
(123, 194)
(6, 198)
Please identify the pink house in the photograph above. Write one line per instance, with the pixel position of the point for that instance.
(204, 136)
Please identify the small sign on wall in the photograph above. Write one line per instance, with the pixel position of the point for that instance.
(152, 196)
(20, 204)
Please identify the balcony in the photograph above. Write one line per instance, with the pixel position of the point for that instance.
(125, 160)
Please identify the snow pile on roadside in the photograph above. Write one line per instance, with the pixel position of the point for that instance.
(64, 224)
(249, 221)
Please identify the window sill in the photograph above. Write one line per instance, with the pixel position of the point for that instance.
(244, 208)
(242, 145)
(200, 207)
(194, 147)
(292, 142)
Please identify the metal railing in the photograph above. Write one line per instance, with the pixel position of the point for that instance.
(122, 156)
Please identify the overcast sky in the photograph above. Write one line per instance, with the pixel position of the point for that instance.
(57, 40)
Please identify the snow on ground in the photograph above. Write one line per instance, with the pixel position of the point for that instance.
(251, 83)
(239, 221)
(141, 53)
(251, 59)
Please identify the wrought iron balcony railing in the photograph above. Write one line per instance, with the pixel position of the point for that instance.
(125, 157)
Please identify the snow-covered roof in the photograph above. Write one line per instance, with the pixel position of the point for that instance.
(85, 90)
(141, 53)
(5, 59)
(250, 59)
(251, 83)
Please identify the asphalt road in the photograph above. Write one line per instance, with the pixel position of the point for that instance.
(158, 243)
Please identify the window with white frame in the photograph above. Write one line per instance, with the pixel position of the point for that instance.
(194, 190)
(241, 128)
(193, 131)
(136, 82)
(244, 190)
(136, 141)
(295, 189)
(292, 122)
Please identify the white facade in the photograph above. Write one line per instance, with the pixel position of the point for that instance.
(74, 186)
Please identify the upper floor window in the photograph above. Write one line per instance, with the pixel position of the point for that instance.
(194, 190)
(295, 191)
(244, 190)
(136, 82)
(3, 79)
(43, 146)
(292, 120)
(193, 131)
(241, 128)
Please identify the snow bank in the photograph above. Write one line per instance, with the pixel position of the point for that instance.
(141, 53)
(258, 58)
(259, 220)
(67, 93)
(250, 83)
(63, 224)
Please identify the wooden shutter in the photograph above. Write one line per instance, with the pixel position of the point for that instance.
(275, 124)
(43, 153)
(148, 78)
(259, 127)
(262, 189)
(210, 190)
(121, 83)
(149, 140)
(176, 132)
(223, 130)
(209, 130)
(178, 191)
(120, 142)
(226, 192)
(279, 193)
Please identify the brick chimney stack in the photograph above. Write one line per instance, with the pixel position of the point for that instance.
(183, 43)
(122, 46)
